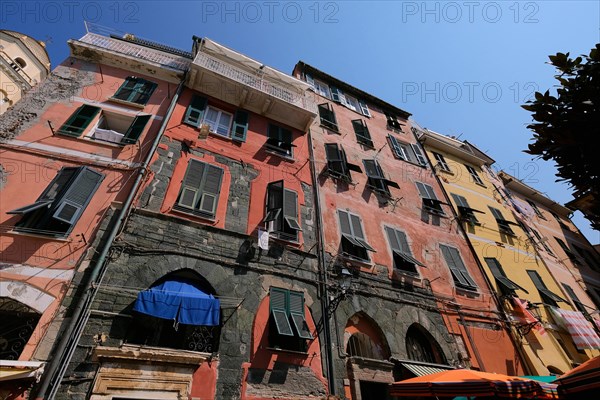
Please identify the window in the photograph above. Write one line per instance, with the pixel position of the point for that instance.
(576, 302)
(362, 133)
(353, 239)
(337, 163)
(200, 189)
(568, 251)
(57, 210)
(559, 220)
(503, 224)
(327, 117)
(199, 112)
(547, 296)
(109, 127)
(441, 161)
(392, 122)
(403, 259)
(346, 100)
(281, 214)
(320, 87)
(466, 213)
(507, 286)
(588, 257)
(537, 211)
(280, 141)
(20, 62)
(219, 121)
(474, 175)
(430, 201)
(288, 329)
(403, 151)
(457, 268)
(541, 241)
(135, 90)
(377, 180)
(361, 345)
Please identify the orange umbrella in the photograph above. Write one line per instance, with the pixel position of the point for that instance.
(582, 380)
(465, 382)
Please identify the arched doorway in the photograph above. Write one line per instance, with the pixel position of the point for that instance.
(18, 323)
(421, 346)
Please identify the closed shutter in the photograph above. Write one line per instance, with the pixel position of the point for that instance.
(500, 276)
(125, 92)
(290, 209)
(136, 128)
(576, 302)
(345, 223)
(278, 305)
(426, 191)
(457, 268)
(192, 182)
(363, 108)
(79, 120)
(240, 126)
(496, 213)
(78, 195)
(210, 190)
(421, 159)
(399, 245)
(297, 315)
(546, 294)
(195, 111)
(460, 200)
(335, 163)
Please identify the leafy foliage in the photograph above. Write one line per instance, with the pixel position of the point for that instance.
(567, 126)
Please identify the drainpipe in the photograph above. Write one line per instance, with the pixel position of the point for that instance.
(57, 366)
(323, 272)
(497, 302)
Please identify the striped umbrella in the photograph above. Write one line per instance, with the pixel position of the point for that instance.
(581, 381)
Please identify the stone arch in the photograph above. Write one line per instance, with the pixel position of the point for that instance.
(26, 294)
(364, 338)
(421, 346)
(20, 62)
(189, 275)
(18, 323)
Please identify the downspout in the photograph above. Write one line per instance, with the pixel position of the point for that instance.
(323, 272)
(497, 301)
(57, 366)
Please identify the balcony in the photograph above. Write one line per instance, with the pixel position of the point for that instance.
(246, 83)
(12, 68)
(123, 53)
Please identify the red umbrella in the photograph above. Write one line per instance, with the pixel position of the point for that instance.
(465, 382)
(582, 380)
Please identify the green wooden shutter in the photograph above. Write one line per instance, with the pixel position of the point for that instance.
(125, 92)
(135, 129)
(421, 159)
(190, 187)
(290, 209)
(494, 267)
(79, 120)
(78, 195)
(195, 111)
(142, 91)
(210, 189)
(274, 204)
(344, 223)
(460, 200)
(457, 268)
(396, 149)
(240, 126)
(578, 304)
(335, 162)
(496, 213)
(393, 239)
(297, 315)
(279, 308)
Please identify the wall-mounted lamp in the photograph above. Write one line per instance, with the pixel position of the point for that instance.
(342, 289)
(536, 312)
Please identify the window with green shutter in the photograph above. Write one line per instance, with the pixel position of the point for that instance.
(507, 286)
(79, 121)
(441, 162)
(281, 212)
(280, 141)
(200, 189)
(466, 213)
(547, 296)
(503, 224)
(362, 133)
(430, 201)
(353, 243)
(457, 268)
(62, 203)
(589, 257)
(474, 175)
(377, 180)
(576, 302)
(327, 117)
(338, 166)
(240, 126)
(195, 111)
(402, 256)
(135, 129)
(135, 90)
(288, 328)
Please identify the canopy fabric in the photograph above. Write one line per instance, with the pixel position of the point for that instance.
(464, 382)
(581, 330)
(421, 370)
(181, 301)
(11, 370)
(582, 379)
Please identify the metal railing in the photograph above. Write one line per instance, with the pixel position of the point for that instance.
(256, 81)
(137, 51)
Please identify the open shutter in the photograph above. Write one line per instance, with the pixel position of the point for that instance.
(397, 150)
(337, 95)
(496, 213)
(274, 206)
(362, 132)
(541, 287)
(357, 232)
(290, 209)
(335, 163)
(190, 187)
(210, 190)
(460, 200)
(240, 126)
(363, 108)
(135, 129)
(278, 305)
(77, 196)
(297, 315)
(195, 111)
(79, 120)
(399, 245)
(349, 166)
(578, 304)
(142, 91)
(421, 159)
(125, 92)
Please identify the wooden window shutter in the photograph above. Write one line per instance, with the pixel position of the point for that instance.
(240, 126)
(195, 111)
(79, 120)
(78, 195)
(126, 90)
(135, 129)
(290, 209)
(210, 190)
(345, 223)
(279, 307)
(421, 159)
(396, 149)
(192, 182)
(297, 315)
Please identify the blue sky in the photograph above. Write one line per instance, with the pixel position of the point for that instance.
(461, 68)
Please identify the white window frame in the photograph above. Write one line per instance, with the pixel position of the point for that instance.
(322, 88)
(352, 103)
(219, 113)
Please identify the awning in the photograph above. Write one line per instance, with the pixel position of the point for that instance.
(181, 301)
(422, 370)
(11, 370)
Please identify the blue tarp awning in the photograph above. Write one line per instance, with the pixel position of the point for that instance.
(181, 301)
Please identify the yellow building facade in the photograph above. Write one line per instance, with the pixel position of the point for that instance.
(523, 284)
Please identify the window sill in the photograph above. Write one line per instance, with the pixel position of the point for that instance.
(367, 145)
(481, 184)
(447, 172)
(190, 213)
(40, 236)
(435, 212)
(295, 352)
(90, 139)
(467, 291)
(353, 260)
(275, 153)
(126, 103)
(329, 128)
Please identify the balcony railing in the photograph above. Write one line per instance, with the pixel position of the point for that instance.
(255, 81)
(12, 65)
(137, 51)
